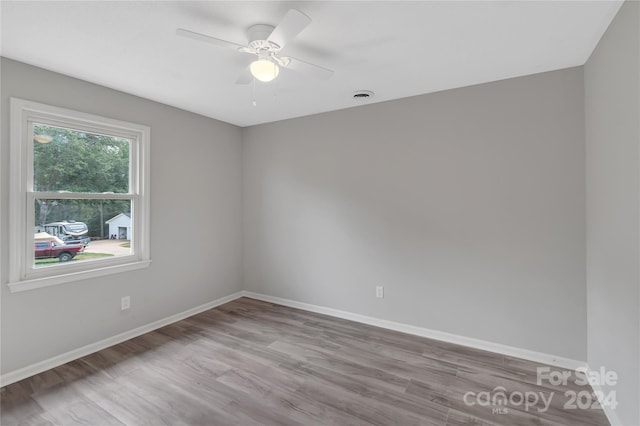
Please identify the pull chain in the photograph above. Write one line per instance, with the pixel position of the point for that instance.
(254, 92)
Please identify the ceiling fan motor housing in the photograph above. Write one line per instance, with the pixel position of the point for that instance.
(258, 35)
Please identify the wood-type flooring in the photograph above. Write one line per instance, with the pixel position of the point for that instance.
(250, 362)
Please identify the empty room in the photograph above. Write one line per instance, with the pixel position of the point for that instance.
(320, 213)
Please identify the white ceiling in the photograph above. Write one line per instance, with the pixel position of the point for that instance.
(396, 49)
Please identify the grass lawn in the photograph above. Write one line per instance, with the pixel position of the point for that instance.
(81, 256)
(127, 244)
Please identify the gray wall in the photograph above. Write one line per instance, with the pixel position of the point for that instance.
(467, 205)
(195, 225)
(612, 97)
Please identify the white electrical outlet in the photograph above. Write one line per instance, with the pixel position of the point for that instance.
(380, 292)
(125, 303)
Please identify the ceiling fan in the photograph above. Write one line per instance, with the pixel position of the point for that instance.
(265, 42)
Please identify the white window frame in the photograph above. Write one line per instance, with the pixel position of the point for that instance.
(22, 273)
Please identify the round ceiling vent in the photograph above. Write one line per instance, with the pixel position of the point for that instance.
(363, 95)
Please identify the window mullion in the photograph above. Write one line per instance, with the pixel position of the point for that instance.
(81, 196)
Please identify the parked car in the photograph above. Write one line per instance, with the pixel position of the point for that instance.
(50, 250)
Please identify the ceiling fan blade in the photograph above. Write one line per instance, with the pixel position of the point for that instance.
(290, 26)
(208, 39)
(307, 68)
(245, 77)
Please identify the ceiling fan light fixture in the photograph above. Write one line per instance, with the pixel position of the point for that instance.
(264, 70)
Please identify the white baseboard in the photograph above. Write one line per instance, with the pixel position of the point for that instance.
(58, 360)
(527, 354)
(611, 414)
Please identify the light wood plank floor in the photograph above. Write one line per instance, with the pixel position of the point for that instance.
(250, 362)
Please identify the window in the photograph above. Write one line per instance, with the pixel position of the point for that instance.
(79, 204)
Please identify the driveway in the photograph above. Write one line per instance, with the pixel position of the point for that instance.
(108, 246)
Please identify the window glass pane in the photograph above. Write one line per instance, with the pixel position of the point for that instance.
(75, 161)
(81, 230)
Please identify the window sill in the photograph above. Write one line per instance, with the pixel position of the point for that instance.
(34, 283)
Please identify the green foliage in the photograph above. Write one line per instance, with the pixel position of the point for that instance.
(76, 161)
(80, 162)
